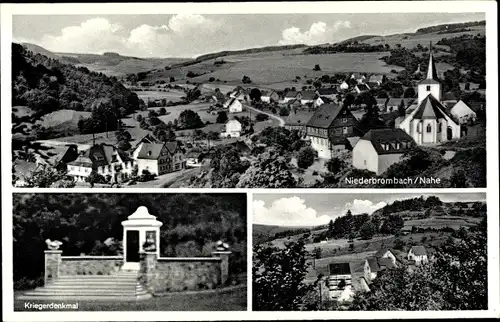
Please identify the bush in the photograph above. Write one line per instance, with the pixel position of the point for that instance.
(163, 111)
(246, 80)
(139, 118)
(316, 67)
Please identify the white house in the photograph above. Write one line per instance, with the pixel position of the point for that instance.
(430, 122)
(463, 113)
(376, 80)
(104, 159)
(292, 95)
(307, 97)
(378, 149)
(361, 88)
(233, 105)
(232, 129)
(269, 96)
(418, 254)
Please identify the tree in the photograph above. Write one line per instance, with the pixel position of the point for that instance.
(458, 179)
(94, 178)
(368, 230)
(306, 157)
(188, 119)
(222, 117)
(163, 111)
(246, 80)
(401, 109)
(139, 118)
(278, 277)
(316, 67)
(261, 117)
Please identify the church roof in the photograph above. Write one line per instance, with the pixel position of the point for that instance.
(430, 108)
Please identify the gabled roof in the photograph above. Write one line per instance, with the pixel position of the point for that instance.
(327, 91)
(461, 105)
(363, 87)
(372, 262)
(291, 94)
(381, 252)
(230, 101)
(375, 78)
(172, 146)
(325, 99)
(298, 118)
(150, 151)
(431, 108)
(397, 140)
(267, 93)
(385, 262)
(324, 115)
(419, 250)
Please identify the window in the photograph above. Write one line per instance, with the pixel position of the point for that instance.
(429, 128)
(345, 130)
(428, 88)
(440, 127)
(418, 128)
(344, 120)
(364, 162)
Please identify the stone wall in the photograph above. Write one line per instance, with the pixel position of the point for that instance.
(164, 275)
(90, 265)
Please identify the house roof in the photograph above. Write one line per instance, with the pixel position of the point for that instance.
(375, 78)
(150, 151)
(308, 95)
(82, 161)
(419, 250)
(291, 94)
(382, 101)
(431, 108)
(461, 105)
(325, 99)
(298, 118)
(327, 91)
(390, 137)
(230, 101)
(339, 268)
(172, 146)
(385, 262)
(381, 252)
(267, 93)
(324, 115)
(363, 87)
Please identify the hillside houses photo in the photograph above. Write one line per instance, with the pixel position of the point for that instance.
(370, 252)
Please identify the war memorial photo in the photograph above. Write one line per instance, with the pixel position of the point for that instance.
(150, 252)
(329, 101)
(370, 252)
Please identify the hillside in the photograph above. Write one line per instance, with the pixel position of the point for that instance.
(111, 64)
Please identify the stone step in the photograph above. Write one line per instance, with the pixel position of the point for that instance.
(89, 292)
(86, 297)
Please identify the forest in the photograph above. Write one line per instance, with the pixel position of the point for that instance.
(191, 225)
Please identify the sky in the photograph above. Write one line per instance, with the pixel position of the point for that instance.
(190, 35)
(318, 209)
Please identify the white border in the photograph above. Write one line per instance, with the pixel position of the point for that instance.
(488, 7)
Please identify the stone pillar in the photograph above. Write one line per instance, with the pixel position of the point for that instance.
(147, 271)
(52, 265)
(224, 264)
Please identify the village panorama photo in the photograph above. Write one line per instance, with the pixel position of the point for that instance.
(130, 252)
(334, 100)
(370, 252)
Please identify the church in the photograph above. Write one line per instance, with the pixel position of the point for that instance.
(430, 122)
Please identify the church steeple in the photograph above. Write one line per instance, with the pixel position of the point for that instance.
(431, 68)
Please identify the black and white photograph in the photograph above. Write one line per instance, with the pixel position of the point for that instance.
(370, 252)
(249, 101)
(129, 252)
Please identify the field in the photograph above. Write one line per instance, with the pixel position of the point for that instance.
(230, 299)
(267, 69)
(423, 39)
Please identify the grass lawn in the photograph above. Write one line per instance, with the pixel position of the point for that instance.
(234, 299)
